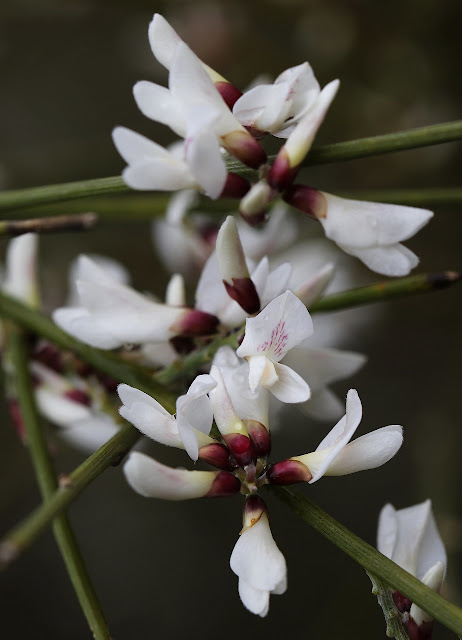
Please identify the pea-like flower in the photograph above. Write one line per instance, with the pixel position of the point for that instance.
(279, 327)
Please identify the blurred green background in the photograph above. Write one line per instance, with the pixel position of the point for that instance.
(161, 569)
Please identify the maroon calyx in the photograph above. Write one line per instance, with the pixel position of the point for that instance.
(217, 455)
(49, 355)
(18, 422)
(225, 484)
(245, 148)
(182, 345)
(260, 437)
(79, 396)
(281, 174)
(243, 291)
(288, 472)
(402, 603)
(304, 199)
(196, 323)
(419, 632)
(235, 186)
(241, 448)
(228, 92)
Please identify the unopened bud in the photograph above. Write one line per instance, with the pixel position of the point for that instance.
(288, 472)
(310, 201)
(217, 455)
(79, 396)
(235, 186)
(228, 92)
(224, 484)
(195, 323)
(243, 146)
(233, 267)
(254, 508)
(253, 205)
(241, 448)
(260, 437)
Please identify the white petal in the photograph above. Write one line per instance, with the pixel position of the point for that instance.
(289, 387)
(300, 140)
(387, 531)
(135, 148)
(152, 423)
(264, 107)
(261, 372)
(60, 410)
(345, 428)
(160, 175)
(80, 324)
(163, 40)
(179, 205)
(255, 600)
(367, 452)
(311, 290)
(433, 579)
(277, 282)
(280, 231)
(154, 480)
(21, 269)
(390, 260)
(225, 414)
(412, 522)
(281, 325)
(431, 550)
(130, 395)
(175, 295)
(361, 224)
(90, 434)
(229, 251)
(196, 405)
(256, 558)
(157, 103)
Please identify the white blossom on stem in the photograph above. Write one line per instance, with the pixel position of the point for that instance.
(188, 430)
(279, 327)
(257, 561)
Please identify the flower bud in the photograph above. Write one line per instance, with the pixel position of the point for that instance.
(241, 447)
(228, 92)
(217, 455)
(419, 632)
(253, 205)
(233, 267)
(310, 201)
(243, 146)
(260, 437)
(288, 472)
(401, 602)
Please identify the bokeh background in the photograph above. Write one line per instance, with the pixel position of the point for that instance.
(161, 569)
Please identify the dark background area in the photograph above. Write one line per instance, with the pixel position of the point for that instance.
(162, 569)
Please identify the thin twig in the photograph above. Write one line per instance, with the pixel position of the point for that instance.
(69, 222)
(337, 152)
(47, 483)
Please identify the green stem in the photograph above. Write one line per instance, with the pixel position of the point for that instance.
(141, 207)
(111, 364)
(47, 482)
(373, 561)
(110, 454)
(386, 290)
(340, 151)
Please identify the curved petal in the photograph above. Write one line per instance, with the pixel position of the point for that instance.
(160, 427)
(163, 40)
(289, 387)
(387, 531)
(79, 323)
(135, 148)
(324, 366)
(206, 163)
(157, 103)
(155, 480)
(255, 600)
(256, 558)
(90, 434)
(21, 269)
(390, 260)
(130, 395)
(160, 175)
(345, 428)
(431, 550)
(281, 325)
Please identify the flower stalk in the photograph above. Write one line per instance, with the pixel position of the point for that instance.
(71, 222)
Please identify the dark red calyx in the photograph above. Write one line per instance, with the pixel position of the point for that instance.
(182, 344)
(228, 92)
(305, 199)
(288, 472)
(241, 448)
(401, 602)
(260, 437)
(217, 455)
(225, 484)
(235, 187)
(198, 323)
(79, 396)
(243, 291)
(419, 632)
(281, 174)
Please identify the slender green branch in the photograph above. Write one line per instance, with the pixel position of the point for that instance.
(111, 364)
(386, 290)
(138, 206)
(110, 454)
(47, 482)
(340, 151)
(73, 222)
(373, 561)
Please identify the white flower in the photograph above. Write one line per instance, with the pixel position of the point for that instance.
(373, 232)
(279, 327)
(155, 480)
(335, 457)
(277, 108)
(320, 368)
(112, 314)
(190, 428)
(180, 241)
(258, 563)
(280, 231)
(410, 538)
